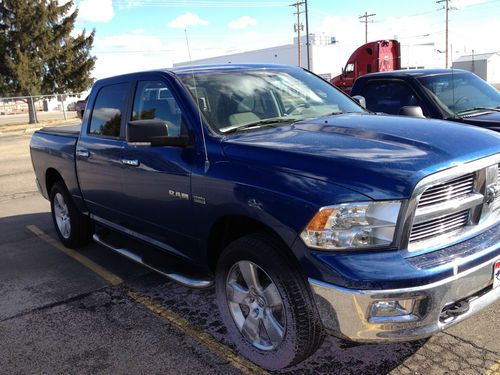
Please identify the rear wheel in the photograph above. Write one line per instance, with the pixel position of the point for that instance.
(73, 228)
(266, 304)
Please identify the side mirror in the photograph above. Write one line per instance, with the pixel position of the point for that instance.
(411, 110)
(360, 100)
(154, 132)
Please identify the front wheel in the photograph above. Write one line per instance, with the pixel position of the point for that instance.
(266, 304)
(73, 228)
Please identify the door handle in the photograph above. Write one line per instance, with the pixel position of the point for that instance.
(132, 163)
(82, 153)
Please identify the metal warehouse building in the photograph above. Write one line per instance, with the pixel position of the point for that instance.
(327, 56)
(485, 65)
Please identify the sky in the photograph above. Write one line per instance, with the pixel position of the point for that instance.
(133, 35)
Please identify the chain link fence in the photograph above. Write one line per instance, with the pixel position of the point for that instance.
(16, 110)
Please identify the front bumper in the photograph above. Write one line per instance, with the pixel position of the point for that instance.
(349, 313)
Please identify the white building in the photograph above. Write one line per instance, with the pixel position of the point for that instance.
(327, 56)
(485, 65)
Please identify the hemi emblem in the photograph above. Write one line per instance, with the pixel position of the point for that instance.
(492, 193)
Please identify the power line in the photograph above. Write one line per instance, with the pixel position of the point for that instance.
(298, 27)
(447, 9)
(366, 16)
(307, 37)
(196, 4)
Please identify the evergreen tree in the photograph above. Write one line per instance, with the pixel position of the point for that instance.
(38, 54)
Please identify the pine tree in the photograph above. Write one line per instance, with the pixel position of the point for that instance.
(38, 53)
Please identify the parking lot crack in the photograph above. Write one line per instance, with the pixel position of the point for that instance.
(53, 304)
(472, 344)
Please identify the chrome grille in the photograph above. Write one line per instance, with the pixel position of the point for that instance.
(452, 189)
(453, 204)
(439, 226)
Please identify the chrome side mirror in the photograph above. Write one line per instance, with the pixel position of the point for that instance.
(360, 100)
(411, 110)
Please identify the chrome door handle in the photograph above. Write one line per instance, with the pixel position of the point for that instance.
(132, 163)
(82, 153)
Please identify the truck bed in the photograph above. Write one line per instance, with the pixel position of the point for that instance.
(67, 130)
(53, 150)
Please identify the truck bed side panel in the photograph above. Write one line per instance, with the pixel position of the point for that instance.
(55, 151)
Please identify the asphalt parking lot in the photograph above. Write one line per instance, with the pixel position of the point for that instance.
(93, 311)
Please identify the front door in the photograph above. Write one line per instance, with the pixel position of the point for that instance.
(157, 180)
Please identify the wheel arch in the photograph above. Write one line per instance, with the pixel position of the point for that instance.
(52, 176)
(228, 228)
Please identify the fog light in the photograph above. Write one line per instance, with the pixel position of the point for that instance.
(400, 307)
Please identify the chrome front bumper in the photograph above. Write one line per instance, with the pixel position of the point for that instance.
(349, 313)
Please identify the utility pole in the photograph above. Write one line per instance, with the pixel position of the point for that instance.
(297, 28)
(366, 16)
(307, 37)
(447, 9)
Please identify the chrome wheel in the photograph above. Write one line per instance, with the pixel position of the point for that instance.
(255, 305)
(61, 214)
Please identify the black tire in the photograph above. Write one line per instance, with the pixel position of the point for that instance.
(81, 227)
(303, 333)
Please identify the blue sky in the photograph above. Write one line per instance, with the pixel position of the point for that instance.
(145, 34)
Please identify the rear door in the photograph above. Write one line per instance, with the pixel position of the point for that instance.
(157, 179)
(99, 151)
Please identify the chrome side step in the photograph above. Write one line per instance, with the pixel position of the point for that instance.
(191, 282)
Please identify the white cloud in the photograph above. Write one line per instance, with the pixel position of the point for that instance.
(133, 52)
(187, 19)
(242, 22)
(95, 11)
(76, 32)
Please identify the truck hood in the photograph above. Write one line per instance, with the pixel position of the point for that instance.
(488, 120)
(382, 157)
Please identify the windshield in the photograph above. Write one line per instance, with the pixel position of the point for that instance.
(460, 93)
(248, 98)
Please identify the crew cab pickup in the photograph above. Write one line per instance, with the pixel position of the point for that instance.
(446, 94)
(308, 213)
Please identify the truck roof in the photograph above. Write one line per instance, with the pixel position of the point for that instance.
(415, 72)
(187, 69)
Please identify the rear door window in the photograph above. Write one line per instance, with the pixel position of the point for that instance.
(108, 109)
(389, 96)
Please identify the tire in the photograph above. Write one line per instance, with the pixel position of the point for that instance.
(295, 323)
(73, 228)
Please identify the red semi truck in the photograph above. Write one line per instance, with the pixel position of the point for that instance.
(378, 56)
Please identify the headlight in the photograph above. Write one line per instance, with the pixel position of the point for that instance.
(353, 226)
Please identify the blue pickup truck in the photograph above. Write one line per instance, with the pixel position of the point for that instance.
(307, 213)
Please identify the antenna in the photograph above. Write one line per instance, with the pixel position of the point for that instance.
(207, 162)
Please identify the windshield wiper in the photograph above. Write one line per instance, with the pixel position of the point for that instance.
(257, 124)
(494, 109)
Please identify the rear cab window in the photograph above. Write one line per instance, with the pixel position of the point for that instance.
(389, 96)
(109, 107)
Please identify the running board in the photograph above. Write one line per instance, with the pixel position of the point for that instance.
(191, 282)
